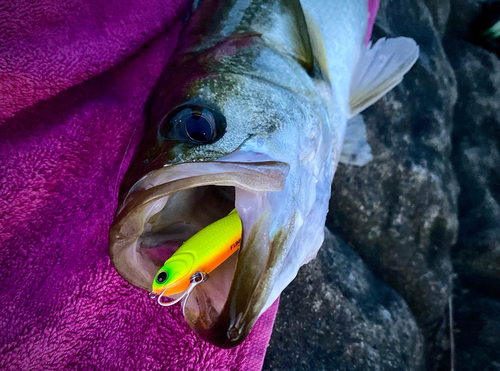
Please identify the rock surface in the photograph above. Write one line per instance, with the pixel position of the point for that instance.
(399, 212)
(462, 14)
(337, 316)
(432, 188)
(440, 10)
(476, 158)
(477, 332)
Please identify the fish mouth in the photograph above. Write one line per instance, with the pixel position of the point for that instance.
(169, 205)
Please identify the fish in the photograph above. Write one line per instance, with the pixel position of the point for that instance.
(203, 252)
(254, 110)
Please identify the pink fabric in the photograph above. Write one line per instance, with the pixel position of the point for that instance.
(372, 11)
(74, 78)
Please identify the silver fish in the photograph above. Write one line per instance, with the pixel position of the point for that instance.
(251, 112)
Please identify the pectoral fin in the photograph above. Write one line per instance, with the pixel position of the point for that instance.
(380, 68)
(356, 150)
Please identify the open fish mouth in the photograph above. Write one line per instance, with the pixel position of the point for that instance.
(169, 205)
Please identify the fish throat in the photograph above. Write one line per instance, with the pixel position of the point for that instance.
(185, 213)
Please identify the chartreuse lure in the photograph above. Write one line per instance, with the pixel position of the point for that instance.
(197, 257)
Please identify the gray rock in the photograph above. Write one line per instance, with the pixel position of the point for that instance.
(440, 10)
(477, 333)
(462, 13)
(476, 158)
(337, 316)
(399, 212)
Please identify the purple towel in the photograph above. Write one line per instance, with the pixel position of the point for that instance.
(74, 77)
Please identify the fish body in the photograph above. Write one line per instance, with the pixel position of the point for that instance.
(250, 113)
(203, 252)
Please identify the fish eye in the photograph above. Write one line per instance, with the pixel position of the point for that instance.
(193, 124)
(162, 277)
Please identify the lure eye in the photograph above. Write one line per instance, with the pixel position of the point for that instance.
(193, 124)
(162, 277)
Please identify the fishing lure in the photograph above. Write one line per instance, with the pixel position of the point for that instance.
(197, 257)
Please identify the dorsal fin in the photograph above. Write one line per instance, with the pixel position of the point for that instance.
(291, 35)
(317, 45)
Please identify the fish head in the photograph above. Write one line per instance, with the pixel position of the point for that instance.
(236, 126)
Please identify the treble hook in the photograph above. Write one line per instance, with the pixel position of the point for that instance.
(197, 278)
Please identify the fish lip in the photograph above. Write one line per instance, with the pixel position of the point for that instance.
(128, 224)
(274, 172)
